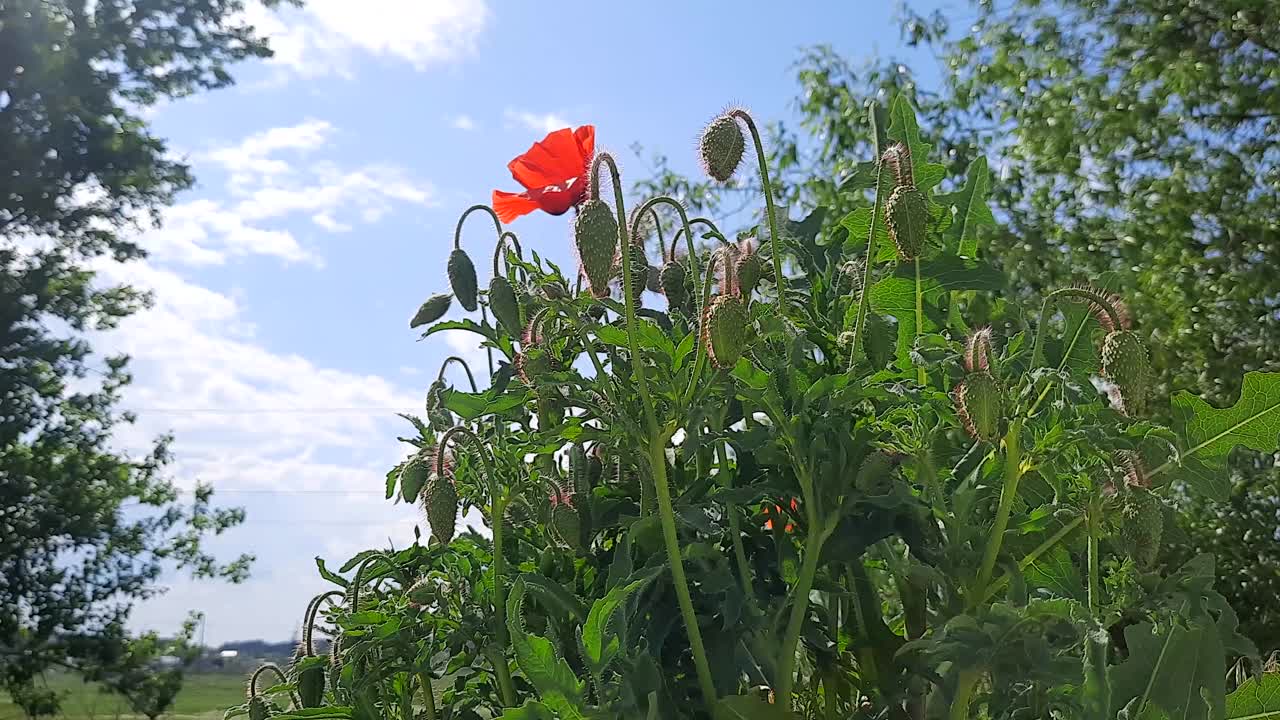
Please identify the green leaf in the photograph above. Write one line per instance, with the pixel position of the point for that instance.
(554, 596)
(1056, 572)
(1257, 698)
(1210, 433)
(600, 641)
(750, 707)
(531, 710)
(1179, 670)
(896, 294)
(470, 406)
(546, 670)
(317, 713)
(904, 129)
(863, 177)
(329, 575)
(971, 212)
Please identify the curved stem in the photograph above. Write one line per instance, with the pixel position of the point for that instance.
(869, 259)
(770, 211)
(497, 500)
(1012, 474)
(650, 205)
(309, 619)
(455, 359)
(502, 242)
(700, 350)
(357, 580)
(457, 232)
(675, 239)
(1099, 300)
(271, 667)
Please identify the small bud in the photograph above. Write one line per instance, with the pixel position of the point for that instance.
(440, 505)
(875, 475)
(432, 310)
(311, 686)
(566, 523)
(258, 708)
(724, 330)
(1142, 525)
(639, 270)
(595, 234)
(748, 268)
(979, 401)
(905, 215)
(674, 278)
(462, 278)
(505, 306)
(1126, 364)
(721, 148)
(413, 476)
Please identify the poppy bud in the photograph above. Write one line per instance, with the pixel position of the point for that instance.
(595, 234)
(505, 306)
(672, 279)
(653, 279)
(432, 310)
(724, 330)
(554, 291)
(413, 476)
(516, 516)
(1126, 364)
(438, 415)
(440, 505)
(721, 148)
(566, 524)
(639, 270)
(311, 686)
(258, 708)
(1142, 525)
(874, 476)
(979, 401)
(462, 278)
(905, 215)
(748, 269)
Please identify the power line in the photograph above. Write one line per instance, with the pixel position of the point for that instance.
(271, 411)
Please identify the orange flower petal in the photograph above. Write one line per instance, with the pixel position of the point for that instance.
(510, 206)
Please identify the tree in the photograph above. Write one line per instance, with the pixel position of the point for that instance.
(1136, 138)
(87, 528)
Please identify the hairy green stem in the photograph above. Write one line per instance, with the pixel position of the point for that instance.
(457, 232)
(735, 529)
(860, 319)
(921, 375)
(309, 619)
(779, 282)
(650, 205)
(428, 695)
(1097, 690)
(700, 360)
(1034, 555)
(271, 667)
(502, 242)
(965, 685)
(1099, 300)
(1012, 474)
(795, 623)
(455, 359)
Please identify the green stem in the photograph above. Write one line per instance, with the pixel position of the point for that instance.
(650, 205)
(869, 259)
(1097, 690)
(455, 359)
(965, 685)
(921, 375)
(763, 161)
(1099, 300)
(701, 360)
(1034, 555)
(666, 514)
(1012, 474)
(744, 570)
(799, 610)
(406, 698)
(457, 232)
(428, 695)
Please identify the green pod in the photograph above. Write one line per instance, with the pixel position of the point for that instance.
(748, 268)
(505, 306)
(595, 236)
(566, 523)
(412, 477)
(432, 310)
(440, 505)
(311, 686)
(721, 148)
(673, 279)
(905, 216)
(979, 402)
(639, 271)
(724, 330)
(462, 278)
(258, 708)
(1142, 525)
(1126, 363)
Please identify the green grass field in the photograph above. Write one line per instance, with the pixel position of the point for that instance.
(204, 696)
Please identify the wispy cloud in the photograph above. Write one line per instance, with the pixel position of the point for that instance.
(463, 122)
(326, 36)
(542, 122)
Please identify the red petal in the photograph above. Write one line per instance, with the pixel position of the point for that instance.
(557, 201)
(556, 158)
(510, 206)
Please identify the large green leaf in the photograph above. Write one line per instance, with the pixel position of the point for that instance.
(896, 294)
(531, 710)
(971, 210)
(1257, 698)
(1210, 434)
(1178, 670)
(554, 680)
(600, 640)
(904, 128)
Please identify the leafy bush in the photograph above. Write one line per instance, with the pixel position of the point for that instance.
(862, 482)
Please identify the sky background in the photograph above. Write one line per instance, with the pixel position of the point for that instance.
(329, 181)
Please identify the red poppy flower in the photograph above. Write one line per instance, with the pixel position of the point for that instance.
(553, 173)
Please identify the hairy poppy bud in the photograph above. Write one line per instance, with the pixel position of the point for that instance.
(672, 279)
(748, 268)
(874, 476)
(258, 708)
(439, 415)
(517, 515)
(905, 215)
(462, 278)
(566, 523)
(432, 310)
(721, 148)
(505, 306)
(639, 270)
(1126, 364)
(311, 686)
(440, 505)
(724, 330)
(979, 401)
(1142, 525)
(413, 476)
(595, 234)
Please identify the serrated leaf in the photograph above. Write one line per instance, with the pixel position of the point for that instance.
(904, 129)
(554, 680)
(1210, 434)
(554, 596)
(1257, 698)
(971, 210)
(895, 295)
(329, 575)
(600, 641)
(470, 406)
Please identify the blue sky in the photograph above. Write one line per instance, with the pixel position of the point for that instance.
(330, 180)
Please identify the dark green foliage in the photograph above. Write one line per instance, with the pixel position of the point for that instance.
(462, 279)
(505, 306)
(432, 310)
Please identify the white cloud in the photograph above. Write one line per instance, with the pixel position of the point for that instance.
(254, 153)
(463, 122)
(325, 37)
(544, 122)
(372, 187)
(204, 232)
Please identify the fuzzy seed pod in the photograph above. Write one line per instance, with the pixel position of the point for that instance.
(1126, 364)
(673, 278)
(595, 234)
(554, 291)
(413, 476)
(724, 330)
(748, 268)
(979, 401)
(421, 594)
(531, 363)
(258, 708)
(1142, 525)
(432, 310)
(905, 215)
(517, 515)
(437, 414)
(566, 523)
(639, 271)
(505, 306)
(462, 278)
(440, 505)
(721, 148)
(874, 477)
(311, 686)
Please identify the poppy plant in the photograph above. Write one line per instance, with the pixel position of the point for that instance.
(776, 511)
(553, 173)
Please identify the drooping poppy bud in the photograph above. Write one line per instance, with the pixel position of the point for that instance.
(673, 278)
(413, 476)
(595, 235)
(748, 268)
(721, 148)
(432, 310)
(462, 278)
(505, 306)
(1127, 365)
(905, 215)
(258, 708)
(1142, 525)
(724, 330)
(440, 501)
(639, 271)
(979, 398)
(566, 523)
(311, 686)
(438, 415)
